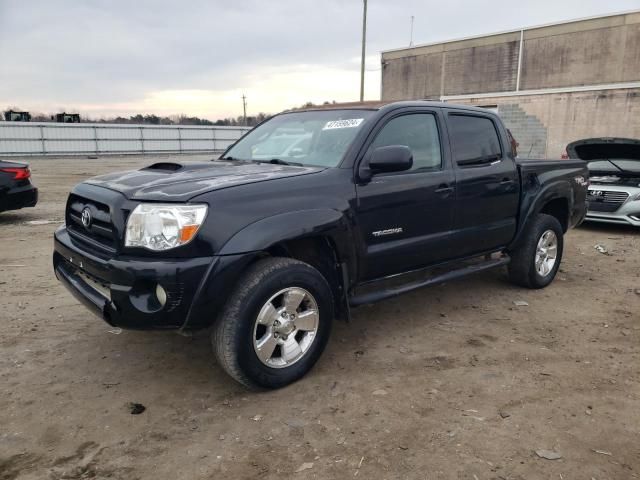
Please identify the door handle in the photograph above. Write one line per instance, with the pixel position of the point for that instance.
(506, 181)
(444, 188)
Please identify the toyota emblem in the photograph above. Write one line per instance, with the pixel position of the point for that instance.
(86, 217)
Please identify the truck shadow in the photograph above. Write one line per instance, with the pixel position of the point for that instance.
(597, 227)
(138, 362)
(10, 218)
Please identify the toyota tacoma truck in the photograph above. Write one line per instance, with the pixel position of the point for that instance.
(351, 206)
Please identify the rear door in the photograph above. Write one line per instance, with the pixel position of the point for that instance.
(405, 217)
(487, 182)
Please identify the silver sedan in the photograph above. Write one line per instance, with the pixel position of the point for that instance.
(614, 204)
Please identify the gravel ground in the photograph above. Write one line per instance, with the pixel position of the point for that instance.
(451, 382)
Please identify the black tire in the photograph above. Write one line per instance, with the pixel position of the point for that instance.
(522, 268)
(233, 334)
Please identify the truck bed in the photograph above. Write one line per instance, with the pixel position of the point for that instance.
(543, 177)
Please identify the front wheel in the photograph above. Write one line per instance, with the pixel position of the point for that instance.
(275, 325)
(535, 262)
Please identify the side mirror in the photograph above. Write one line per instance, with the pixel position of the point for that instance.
(392, 158)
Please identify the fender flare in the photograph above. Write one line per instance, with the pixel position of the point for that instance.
(246, 245)
(539, 197)
(269, 231)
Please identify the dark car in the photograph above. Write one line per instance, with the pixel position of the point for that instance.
(16, 189)
(267, 251)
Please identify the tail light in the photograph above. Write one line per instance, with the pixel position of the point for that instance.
(22, 173)
(564, 155)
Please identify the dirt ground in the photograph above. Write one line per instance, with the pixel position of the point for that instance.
(451, 382)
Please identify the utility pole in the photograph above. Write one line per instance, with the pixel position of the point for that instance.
(244, 109)
(411, 37)
(364, 49)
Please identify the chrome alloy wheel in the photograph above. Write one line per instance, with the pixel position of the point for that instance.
(546, 253)
(286, 327)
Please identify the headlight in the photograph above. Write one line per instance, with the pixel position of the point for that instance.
(159, 226)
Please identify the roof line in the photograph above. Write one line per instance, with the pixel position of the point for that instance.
(515, 30)
(542, 91)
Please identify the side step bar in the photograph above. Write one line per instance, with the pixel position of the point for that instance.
(372, 297)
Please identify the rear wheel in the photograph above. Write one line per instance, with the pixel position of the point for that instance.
(275, 325)
(535, 262)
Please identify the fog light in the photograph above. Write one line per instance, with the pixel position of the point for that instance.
(161, 294)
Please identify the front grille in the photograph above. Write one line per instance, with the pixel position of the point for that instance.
(606, 200)
(100, 232)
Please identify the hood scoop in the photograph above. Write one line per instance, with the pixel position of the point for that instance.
(164, 167)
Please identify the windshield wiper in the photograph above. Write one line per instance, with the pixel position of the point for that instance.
(616, 165)
(278, 161)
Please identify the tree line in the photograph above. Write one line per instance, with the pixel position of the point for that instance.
(151, 119)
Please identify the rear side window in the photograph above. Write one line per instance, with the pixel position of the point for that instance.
(419, 132)
(474, 140)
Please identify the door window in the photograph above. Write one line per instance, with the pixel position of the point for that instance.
(417, 131)
(474, 139)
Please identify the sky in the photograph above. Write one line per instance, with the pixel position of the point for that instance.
(104, 58)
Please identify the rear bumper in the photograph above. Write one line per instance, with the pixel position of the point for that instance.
(19, 197)
(122, 290)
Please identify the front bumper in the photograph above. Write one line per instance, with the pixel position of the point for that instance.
(614, 217)
(121, 290)
(627, 214)
(19, 197)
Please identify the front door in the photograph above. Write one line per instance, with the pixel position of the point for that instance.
(404, 218)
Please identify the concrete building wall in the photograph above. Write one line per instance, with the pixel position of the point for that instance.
(407, 77)
(588, 57)
(586, 52)
(565, 82)
(544, 124)
(489, 68)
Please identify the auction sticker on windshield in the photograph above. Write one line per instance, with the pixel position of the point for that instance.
(349, 123)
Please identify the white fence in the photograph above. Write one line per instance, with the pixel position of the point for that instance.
(41, 138)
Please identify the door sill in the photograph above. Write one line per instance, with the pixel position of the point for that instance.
(429, 277)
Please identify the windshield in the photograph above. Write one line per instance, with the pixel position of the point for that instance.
(316, 138)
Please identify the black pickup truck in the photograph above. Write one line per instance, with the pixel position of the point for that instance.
(309, 214)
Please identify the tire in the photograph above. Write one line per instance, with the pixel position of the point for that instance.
(523, 269)
(247, 322)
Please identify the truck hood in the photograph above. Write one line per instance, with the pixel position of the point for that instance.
(606, 156)
(172, 182)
